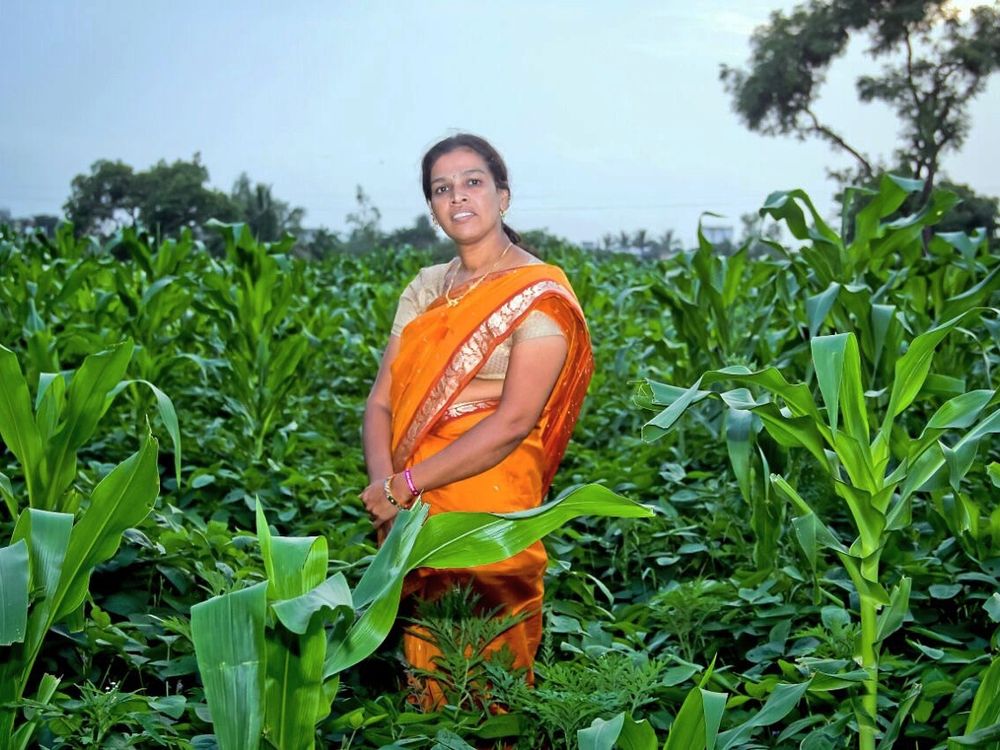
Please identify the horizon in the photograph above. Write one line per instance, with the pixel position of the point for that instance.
(609, 119)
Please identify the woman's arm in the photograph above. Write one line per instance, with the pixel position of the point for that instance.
(533, 369)
(532, 372)
(376, 432)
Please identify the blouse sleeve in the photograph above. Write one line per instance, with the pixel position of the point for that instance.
(535, 326)
(408, 307)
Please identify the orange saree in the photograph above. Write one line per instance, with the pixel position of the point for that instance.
(441, 350)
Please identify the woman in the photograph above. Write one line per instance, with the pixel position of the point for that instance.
(478, 390)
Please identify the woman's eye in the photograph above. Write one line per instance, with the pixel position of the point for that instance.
(441, 189)
(474, 180)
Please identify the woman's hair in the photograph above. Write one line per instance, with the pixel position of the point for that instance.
(494, 162)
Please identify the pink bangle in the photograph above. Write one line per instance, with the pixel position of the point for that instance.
(409, 483)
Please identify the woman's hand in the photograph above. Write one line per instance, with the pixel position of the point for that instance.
(380, 510)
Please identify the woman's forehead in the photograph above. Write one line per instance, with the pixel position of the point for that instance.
(459, 161)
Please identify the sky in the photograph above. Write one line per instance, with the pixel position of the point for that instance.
(610, 115)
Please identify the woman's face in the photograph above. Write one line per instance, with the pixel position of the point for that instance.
(464, 197)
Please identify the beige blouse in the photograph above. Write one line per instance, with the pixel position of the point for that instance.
(428, 285)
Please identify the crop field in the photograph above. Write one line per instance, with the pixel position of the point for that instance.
(777, 525)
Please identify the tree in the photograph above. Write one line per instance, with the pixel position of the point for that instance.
(420, 235)
(935, 63)
(163, 198)
(103, 200)
(173, 196)
(364, 222)
(269, 218)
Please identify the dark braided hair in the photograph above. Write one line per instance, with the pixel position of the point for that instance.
(494, 162)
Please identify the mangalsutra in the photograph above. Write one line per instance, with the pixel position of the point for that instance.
(447, 292)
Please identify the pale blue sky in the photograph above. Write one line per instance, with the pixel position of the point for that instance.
(610, 115)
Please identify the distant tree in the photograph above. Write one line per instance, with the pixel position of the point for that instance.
(973, 212)
(420, 235)
(607, 241)
(935, 64)
(364, 221)
(163, 198)
(667, 244)
(173, 196)
(642, 241)
(268, 218)
(319, 243)
(104, 200)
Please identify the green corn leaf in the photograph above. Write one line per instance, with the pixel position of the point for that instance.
(47, 535)
(972, 297)
(14, 585)
(912, 368)
(818, 307)
(7, 493)
(890, 196)
(794, 432)
(47, 687)
(993, 470)
(696, 726)
(294, 565)
(663, 422)
(902, 712)
(739, 434)
(452, 540)
(649, 394)
(891, 618)
(228, 635)
(866, 588)
(294, 660)
(620, 732)
(867, 518)
(49, 403)
(782, 700)
(782, 204)
(17, 427)
(168, 414)
(882, 318)
(86, 402)
(983, 724)
(121, 500)
(798, 397)
(296, 614)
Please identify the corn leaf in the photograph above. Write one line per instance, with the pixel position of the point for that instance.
(14, 584)
(228, 635)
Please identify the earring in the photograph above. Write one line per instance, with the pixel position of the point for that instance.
(503, 213)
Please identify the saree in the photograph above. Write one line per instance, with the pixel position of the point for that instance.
(440, 351)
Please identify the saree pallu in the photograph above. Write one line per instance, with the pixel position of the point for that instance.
(440, 352)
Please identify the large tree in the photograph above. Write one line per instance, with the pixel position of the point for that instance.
(163, 198)
(934, 62)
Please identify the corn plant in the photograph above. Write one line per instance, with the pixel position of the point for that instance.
(253, 297)
(270, 655)
(45, 574)
(68, 407)
(875, 467)
(55, 545)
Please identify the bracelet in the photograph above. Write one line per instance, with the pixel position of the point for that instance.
(414, 492)
(388, 491)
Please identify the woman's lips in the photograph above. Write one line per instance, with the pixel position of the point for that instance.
(462, 216)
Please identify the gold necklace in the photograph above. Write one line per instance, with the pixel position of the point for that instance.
(447, 292)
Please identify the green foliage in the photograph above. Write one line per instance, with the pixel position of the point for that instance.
(938, 62)
(725, 568)
(861, 437)
(463, 632)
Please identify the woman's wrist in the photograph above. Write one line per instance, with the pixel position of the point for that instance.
(401, 490)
